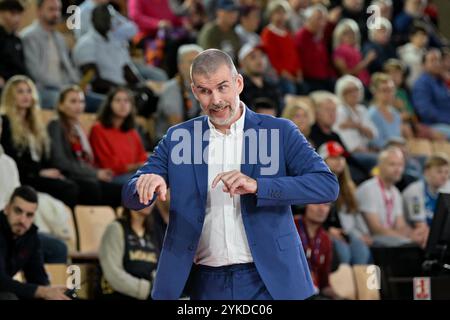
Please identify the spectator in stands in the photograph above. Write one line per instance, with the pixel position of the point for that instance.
(9, 175)
(325, 106)
(413, 164)
(380, 43)
(420, 197)
(430, 94)
(355, 10)
(122, 28)
(12, 59)
(412, 53)
(383, 114)
(193, 13)
(280, 47)
(46, 53)
(301, 114)
(382, 205)
(297, 14)
(396, 70)
(115, 142)
(220, 33)
(317, 246)
(72, 154)
(347, 56)
(20, 250)
(104, 60)
(25, 139)
(386, 8)
(312, 49)
(345, 224)
(177, 102)
(152, 15)
(249, 20)
(129, 255)
(353, 123)
(413, 12)
(265, 106)
(446, 64)
(51, 218)
(257, 84)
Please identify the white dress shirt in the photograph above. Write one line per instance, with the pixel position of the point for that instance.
(223, 240)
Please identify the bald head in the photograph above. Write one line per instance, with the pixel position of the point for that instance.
(391, 162)
(209, 61)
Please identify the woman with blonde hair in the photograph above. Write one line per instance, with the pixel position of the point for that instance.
(25, 139)
(383, 113)
(301, 114)
(71, 152)
(347, 56)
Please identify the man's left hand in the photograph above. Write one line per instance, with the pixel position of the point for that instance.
(236, 183)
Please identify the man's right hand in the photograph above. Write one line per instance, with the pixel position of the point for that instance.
(148, 184)
(51, 293)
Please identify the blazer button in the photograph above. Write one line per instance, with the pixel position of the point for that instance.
(199, 219)
(191, 248)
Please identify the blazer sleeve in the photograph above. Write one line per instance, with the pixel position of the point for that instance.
(157, 163)
(309, 179)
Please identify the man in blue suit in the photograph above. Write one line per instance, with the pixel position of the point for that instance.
(233, 175)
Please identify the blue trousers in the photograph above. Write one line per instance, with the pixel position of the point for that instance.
(233, 282)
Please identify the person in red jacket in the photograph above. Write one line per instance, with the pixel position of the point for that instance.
(312, 49)
(280, 47)
(115, 141)
(317, 246)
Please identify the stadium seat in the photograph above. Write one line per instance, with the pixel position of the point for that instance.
(56, 273)
(419, 147)
(46, 116)
(363, 283)
(343, 282)
(442, 146)
(92, 222)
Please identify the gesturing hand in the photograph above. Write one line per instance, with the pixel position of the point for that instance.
(236, 182)
(147, 184)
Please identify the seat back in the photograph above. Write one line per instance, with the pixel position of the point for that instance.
(343, 282)
(92, 222)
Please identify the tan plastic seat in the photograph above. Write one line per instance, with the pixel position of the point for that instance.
(367, 282)
(92, 222)
(343, 282)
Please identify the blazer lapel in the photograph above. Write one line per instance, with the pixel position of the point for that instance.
(251, 123)
(199, 163)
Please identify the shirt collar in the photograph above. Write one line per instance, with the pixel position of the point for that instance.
(237, 126)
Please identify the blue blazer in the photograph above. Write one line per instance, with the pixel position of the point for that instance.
(302, 178)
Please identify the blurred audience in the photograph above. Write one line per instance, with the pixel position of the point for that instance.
(257, 81)
(25, 139)
(12, 58)
(345, 224)
(177, 102)
(115, 142)
(430, 94)
(72, 153)
(280, 47)
(382, 204)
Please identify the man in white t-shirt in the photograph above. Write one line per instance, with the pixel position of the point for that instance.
(381, 203)
(420, 197)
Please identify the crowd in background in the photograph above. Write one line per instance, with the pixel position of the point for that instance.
(357, 88)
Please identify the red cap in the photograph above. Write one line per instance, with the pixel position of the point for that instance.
(331, 149)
